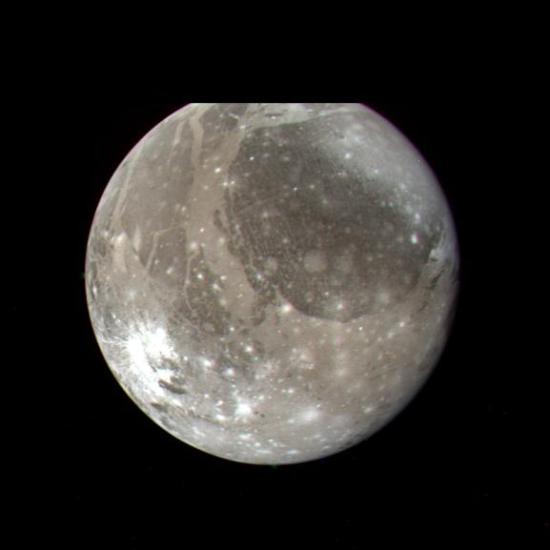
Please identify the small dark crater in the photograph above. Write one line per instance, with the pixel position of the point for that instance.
(177, 389)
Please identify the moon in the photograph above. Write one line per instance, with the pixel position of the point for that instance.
(272, 283)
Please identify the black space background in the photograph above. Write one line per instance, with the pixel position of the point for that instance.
(464, 462)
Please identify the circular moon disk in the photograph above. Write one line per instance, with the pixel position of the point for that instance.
(272, 283)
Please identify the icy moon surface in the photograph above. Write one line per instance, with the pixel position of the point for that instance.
(272, 283)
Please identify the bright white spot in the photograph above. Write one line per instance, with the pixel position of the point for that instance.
(230, 372)
(414, 238)
(347, 156)
(206, 362)
(146, 347)
(309, 415)
(251, 158)
(286, 308)
(157, 344)
(221, 417)
(137, 353)
(218, 170)
(243, 409)
(248, 349)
